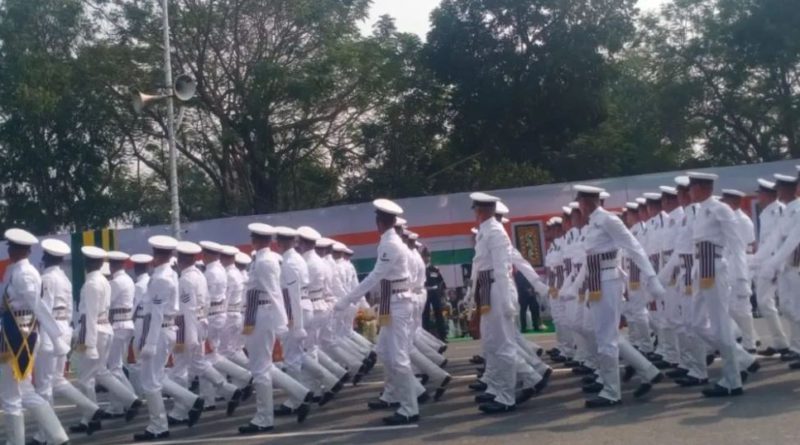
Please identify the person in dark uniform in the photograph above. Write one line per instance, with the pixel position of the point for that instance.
(527, 301)
(436, 286)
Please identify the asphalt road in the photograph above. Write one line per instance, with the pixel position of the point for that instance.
(766, 414)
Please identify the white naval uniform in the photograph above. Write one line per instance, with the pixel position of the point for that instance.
(785, 262)
(49, 370)
(94, 343)
(741, 309)
(493, 265)
(554, 264)
(769, 238)
(670, 310)
(604, 236)
(636, 310)
(715, 231)
(134, 369)
(121, 318)
(160, 306)
(232, 344)
(332, 292)
(22, 292)
(395, 338)
(265, 318)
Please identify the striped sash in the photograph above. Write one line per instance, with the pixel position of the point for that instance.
(688, 263)
(568, 266)
(707, 253)
(655, 261)
(559, 276)
(635, 277)
(594, 268)
(796, 257)
(251, 309)
(288, 304)
(82, 331)
(483, 291)
(145, 330)
(180, 336)
(384, 308)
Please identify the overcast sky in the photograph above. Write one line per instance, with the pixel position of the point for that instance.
(412, 15)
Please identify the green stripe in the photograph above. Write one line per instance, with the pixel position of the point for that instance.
(438, 258)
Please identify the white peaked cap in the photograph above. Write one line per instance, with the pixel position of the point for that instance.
(703, 176)
(763, 183)
(567, 210)
(286, 232)
(94, 252)
(668, 190)
(20, 237)
(243, 258)
(230, 250)
(785, 178)
(653, 196)
(682, 181)
(632, 205)
(188, 248)
(339, 247)
(387, 206)
(163, 242)
(324, 242)
(116, 255)
(734, 192)
(307, 233)
(55, 247)
(211, 246)
(400, 222)
(641, 201)
(261, 229)
(604, 195)
(483, 198)
(501, 209)
(141, 258)
(588, 189)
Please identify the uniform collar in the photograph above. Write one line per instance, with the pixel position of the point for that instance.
(118, 273)
(93, 273)
(288, 253)
(50, 269)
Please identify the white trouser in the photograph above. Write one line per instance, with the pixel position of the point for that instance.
(95, 370)
(191, 361)
(742, 314)
(330, 364)
(498, 341)
(788, 285)
(645, 370)
(426, 366)
(563, 333)
(231, 339)
(394, 345)
(216, 331)
(766, 290)
(670, 318)
(259, 346)
(116, 359)
(638, 318)
(49, 376)
(606, 314)
(712, 322)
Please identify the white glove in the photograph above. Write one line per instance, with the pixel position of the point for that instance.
(148, 351)
(60, 347)
(299, 334)
(655, 288)
(91, 353)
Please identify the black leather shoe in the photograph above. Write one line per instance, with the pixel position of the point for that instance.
(282, 411)
(302, 412)
(195, 412)
(789, 356)
(110, 416)
(752, 351)
(443, 349)
(358, 378)
(525, 395)
(247, 391)
(484, 398)
(477, 360)
(337, 387)
(423, 379)
(171, 421)
(592, 388)
(233, 403)
(644, 388)
(754, 367)
(147, 436)
(399, 419)
(539, 387)
(345, 378)
(133, 410)
(553, 351)
(378, 404)
(677, 373)
(373, 356)
(719, 391)
(794, 365)
(559, 359)
(478, 386)
(653, 357)
(661, 364)
(690, 381)
(441, 389)
(496, 408)
(582, 370)
(589, 379)
(628, 374)
(572, 364)
(769, 352)
(443, 364)
(710, 359)
(327, 397)
(35, 442)
(601, 402)
(424, 397)
(744, 376)
(254, 429)
(79, 428)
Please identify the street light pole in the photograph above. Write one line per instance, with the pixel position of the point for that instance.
(175, 214)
